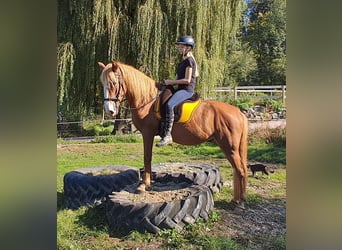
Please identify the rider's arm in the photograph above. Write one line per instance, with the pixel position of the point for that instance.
(185, 80)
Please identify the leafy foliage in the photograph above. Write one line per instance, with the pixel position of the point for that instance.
(65, 68)
(236, 44)
(266, 36)
(241, 65)
(118, 139)
(142, 34)
(243, 103)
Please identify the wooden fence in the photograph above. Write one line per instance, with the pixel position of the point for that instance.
(67, 129)
(253, 90)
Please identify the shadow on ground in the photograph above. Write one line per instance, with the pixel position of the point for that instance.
(60, 201)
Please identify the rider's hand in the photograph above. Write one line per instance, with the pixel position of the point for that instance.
(167, 82)
(160, 85)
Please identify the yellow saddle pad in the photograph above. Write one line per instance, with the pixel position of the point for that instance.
(183, 113)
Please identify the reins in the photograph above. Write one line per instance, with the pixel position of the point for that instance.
(143, 105)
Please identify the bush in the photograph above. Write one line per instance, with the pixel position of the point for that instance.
(131, 138)
(243, 103)
(277, 136)
(101, 130)
(96, 129)
(273, 105)
(107, 124)
(246, 102)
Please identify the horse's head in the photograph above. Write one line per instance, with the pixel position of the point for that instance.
(113, 91)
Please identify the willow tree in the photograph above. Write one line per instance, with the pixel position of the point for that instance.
(140, 33)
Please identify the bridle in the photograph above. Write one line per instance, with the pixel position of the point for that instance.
(116, 98)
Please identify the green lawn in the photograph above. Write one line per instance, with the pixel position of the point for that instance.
(86, 228)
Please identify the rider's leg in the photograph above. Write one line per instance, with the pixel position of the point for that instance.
(177, 98)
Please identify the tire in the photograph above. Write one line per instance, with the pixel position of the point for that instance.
(125, 215)
(82, 189)
(198, 174)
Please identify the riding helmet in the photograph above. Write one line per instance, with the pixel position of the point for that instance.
(186, 40)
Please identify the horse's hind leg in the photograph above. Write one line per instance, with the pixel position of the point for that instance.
(240, 177)
(240, 182)
(239, 168)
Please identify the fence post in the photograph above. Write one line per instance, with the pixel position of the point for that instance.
(103, 116)
(235, 92)
(283, 93)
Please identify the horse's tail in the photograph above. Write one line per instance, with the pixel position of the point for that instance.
(243, 149)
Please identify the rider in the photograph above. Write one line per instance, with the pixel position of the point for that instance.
(185, 80)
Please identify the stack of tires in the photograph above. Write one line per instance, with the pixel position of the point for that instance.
(199, 180)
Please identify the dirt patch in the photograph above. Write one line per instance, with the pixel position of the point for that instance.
(256, 227)
(262, 223)
(89, 148)
(103, 172)
(267, 124)
(158, 196)
(159, 192)
(75, 148)
(179, 168)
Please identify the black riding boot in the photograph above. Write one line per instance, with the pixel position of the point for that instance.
(167, 139)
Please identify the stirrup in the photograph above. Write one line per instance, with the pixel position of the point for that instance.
(165, 141)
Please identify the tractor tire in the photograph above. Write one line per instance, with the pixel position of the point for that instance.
(81, 188)
(199, 174)
(124, 214)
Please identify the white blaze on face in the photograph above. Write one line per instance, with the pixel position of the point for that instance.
(109, 106)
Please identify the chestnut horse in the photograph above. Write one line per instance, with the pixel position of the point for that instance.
(212, 120)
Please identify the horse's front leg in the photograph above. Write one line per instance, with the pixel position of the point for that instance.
(148, 145)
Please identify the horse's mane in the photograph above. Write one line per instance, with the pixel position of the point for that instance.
(139, 86)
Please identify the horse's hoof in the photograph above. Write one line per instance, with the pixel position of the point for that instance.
(140, 189)
(239, 211)
(238, 207)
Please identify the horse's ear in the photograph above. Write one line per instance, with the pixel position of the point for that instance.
(115, 66)
(102, 66)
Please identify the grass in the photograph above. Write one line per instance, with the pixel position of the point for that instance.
(86, 228)
(267, 153)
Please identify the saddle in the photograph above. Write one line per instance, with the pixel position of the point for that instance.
(183, 111)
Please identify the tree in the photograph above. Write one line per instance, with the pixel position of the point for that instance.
(241, 65)
(266, 36)
(241, 60)
(140, 33)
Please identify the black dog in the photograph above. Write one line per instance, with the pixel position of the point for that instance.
(258, 167)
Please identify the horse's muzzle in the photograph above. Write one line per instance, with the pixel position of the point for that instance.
(110, 108)
(112, 113)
